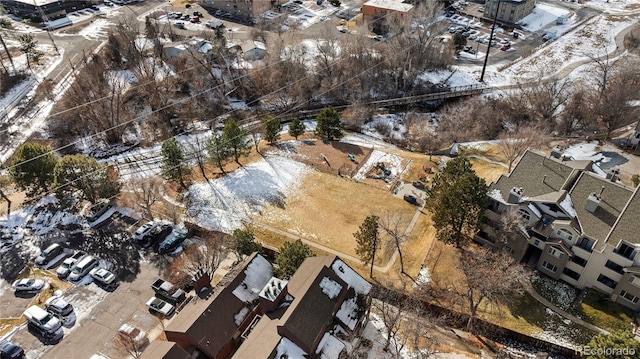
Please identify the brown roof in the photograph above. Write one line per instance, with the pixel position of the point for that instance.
(160, 349)
(614, 198)
(538, 174)
(627, 226)
(304, 317)
(211, 322)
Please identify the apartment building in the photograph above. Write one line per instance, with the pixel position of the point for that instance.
(509, 11)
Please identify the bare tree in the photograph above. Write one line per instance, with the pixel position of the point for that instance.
(199, 150)
(394, 224)
(513, 142)
(615, 105)
(544, 99)
(491, 277)
(146, 192)
(391, 307)
(579, 113)
(202, 257)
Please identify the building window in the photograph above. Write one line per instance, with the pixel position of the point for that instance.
(635, 281)
(607, 281)
(579, 261)
(549, 266)
(571, 274)
(586, 244)
(630, 297)
(614, 267)
(565, 234)
(525, 215)
(626, 251)
(555, 252)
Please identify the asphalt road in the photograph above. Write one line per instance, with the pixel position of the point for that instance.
(93, 333)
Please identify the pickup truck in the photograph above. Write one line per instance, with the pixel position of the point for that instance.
(167, 291)
(411, 199)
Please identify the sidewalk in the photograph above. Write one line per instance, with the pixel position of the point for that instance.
(556, 309)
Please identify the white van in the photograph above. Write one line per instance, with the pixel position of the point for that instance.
(42, 319)
(83, 268)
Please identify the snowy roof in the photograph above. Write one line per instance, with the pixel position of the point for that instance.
(288, 349)
(395, 5)
(353, 279)
(329, 347)
(257, 274)
(330, 287)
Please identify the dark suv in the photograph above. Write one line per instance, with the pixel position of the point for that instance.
(11, 351)
(48, 254)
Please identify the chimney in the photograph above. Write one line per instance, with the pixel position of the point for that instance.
(515, 195)
(593, 201)
(272, 295)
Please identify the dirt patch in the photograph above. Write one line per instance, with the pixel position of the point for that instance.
(16, 202)
(487, 170)
(331, 157)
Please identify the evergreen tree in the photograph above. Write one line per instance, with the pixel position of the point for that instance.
(457, 200)
(271, 128)
(28, 46)
(617, 344)
(328, 124)
(218, 150)
(296, 128)
(368, 241)
(290, 257)
(237, 139)
(79, 174)
(174, 163)
(243, 243)
(459, 41)
(32, 169)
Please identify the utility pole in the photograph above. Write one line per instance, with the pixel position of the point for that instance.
(493, 28)
(46, 19)
(8, 53)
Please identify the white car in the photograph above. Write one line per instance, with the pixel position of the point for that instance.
(138, 336)
(160, 306)
(42, 319)
(28, 285)
(102, 275)
(58, 307)
(144, 230)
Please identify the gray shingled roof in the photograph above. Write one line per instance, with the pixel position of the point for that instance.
(627, 227)
(614, 198)
(538, 175)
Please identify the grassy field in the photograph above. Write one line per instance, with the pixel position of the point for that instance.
(489, 171)
(328, 209)
(598, 310)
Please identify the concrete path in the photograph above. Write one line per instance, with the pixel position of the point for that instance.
(560, 311)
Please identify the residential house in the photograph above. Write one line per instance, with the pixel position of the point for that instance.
(253, 50)
(166, 350)
(509, 11)
(251, 314)
(578, 224)
(375, 11)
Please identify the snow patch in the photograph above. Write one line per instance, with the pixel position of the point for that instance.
(288, 349)
(257, 274)
(329, 347)
(348, 313)
(241, 315)
(353, 279)
(330, 287)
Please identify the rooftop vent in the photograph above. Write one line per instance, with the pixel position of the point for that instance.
(593, 201)
(515, 195)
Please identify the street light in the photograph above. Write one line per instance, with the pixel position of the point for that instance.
(493, 27)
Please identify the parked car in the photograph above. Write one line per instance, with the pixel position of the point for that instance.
(179, 25)
(411, 199)
(173, 240)
(215, 23)
(504, 40)
(108, 3)
(505, 47)
(45, 336)
(197, 13)
(481, 9)
(82, 268)
(195, 19)
(136, 335)
(42, 319)
(185, 17)
(28, 285)
(102, 275)
(66, 266)
(144, 230)
(58, 307)
(158, 234)
(9, 350)
(98, 210)
(49, 254)
(167, 291)
(378, 38)
(160, 306)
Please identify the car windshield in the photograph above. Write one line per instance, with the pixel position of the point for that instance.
(46, 319)
(30, 282)
(76, 270)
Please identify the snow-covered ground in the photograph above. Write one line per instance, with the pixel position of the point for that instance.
(223, 204)
(542, 16)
